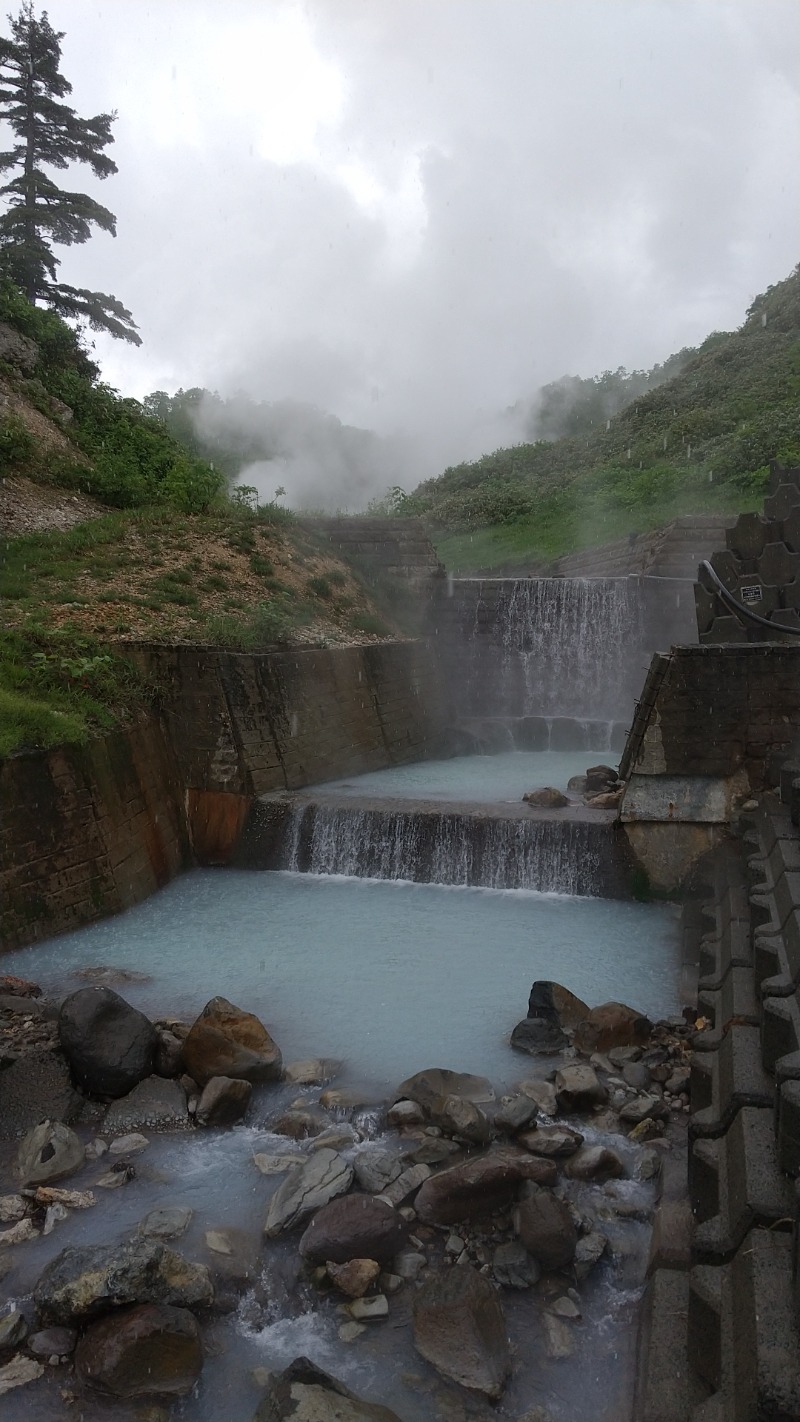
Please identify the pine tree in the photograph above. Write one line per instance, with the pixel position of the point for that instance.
(39, 214)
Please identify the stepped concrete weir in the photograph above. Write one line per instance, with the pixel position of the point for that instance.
(572, 851)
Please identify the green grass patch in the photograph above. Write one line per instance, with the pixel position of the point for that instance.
(369, 622)
(261, 566)
(320, 587)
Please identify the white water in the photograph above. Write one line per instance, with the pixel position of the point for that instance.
(389, 977)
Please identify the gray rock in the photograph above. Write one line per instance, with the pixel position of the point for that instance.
(460, 1328)
(375, 1169)
(678, 1082)
(540, 1036)
(433, 1151)
(578, 1087)
(37, 1086)
(169, 1053)
(369, 1310)
(425, 1087)
(546, 1228)
(313, 1071)
(18, 1372)
(156, 1103)
(514, 1267)
(53, 1342)
(299, 1124)
(542, 1093)
(307, 1188)
(109, 1045)
(594, 1163)
(13, 1329)
(621, 1056)
(409, 1263)
(405, 1184)
(559, 1342)
(643, 1108)
(151, 1350)
(50, 1152)
(637, 1075)
(18, 350)
(166, 1223)
(588, 1251)
(458, 1117)
(516, 1112)
(341, 1137)
(132, 1144)
(223, 1101)
(405, 1113)
(546, 798)
(354, 1227)
(551, 1142)
(304, 1391)
(82, 1282)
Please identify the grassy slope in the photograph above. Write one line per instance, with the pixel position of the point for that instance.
(701, 441)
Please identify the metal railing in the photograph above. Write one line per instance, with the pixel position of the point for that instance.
(776, 628)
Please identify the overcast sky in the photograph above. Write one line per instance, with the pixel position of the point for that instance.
(415, 212)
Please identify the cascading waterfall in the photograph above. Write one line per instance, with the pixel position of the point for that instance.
(441, 847)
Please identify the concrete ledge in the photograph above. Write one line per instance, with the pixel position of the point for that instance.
(722, 951)
(724, 1081)
(736, 998)
(664, 1387)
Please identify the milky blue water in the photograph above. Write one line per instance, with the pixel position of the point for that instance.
(486, 778)
(390, 977)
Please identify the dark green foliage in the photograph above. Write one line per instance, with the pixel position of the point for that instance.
(368, 622)
(261, 566)
(269, 624)
(17, 445)
(39, 214)
(702, 439)
(320, 587)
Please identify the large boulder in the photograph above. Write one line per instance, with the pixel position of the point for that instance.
(304, 1393)
(547, 797)
(578, 1088)
(546, 1228)
(35, 1086)
(354, 1227)
(86, 1281)
(429, 1086)
(226, 1041)
(223, 1101)
(50, 1152)
(156, 1103)
(479, 1187)
(612, 1025)
(460, 1328)
(307, 1187)
(551, 1009)
(109, 1045)
(458, 1117)
(149, 1350)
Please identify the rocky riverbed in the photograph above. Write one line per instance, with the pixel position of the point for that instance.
(177, 1202)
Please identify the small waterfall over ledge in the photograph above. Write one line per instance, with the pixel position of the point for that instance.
(566, 647)
(576, 852)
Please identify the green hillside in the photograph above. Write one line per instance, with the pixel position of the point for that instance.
(701, 441)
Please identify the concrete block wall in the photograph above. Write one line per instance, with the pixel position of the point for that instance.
(760, 566)
(725, 1324)
(399, 546)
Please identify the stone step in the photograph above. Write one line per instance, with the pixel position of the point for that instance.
(735, 1183)
(724, 1081)
(736, 998)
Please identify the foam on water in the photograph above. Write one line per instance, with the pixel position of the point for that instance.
(388, 976)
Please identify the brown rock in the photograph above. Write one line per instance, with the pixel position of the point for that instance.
(578, 1087)
(551, 1142)
(225, 1041)
(354, 1277)
(546, 1228)
(148, 1350)
(459, 1326)
(457, 1117)
(612, 1025)
(354, 1227)
(594, 1163)
(547, 798)
(223, 1101)
(607, 800)
(479, 1187)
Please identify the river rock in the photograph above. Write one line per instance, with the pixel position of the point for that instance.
(354, 1277)
(458, 1117)
(11, 986)
(433, 1150)
(85, 1281)
(375, 1169)
(546, 798)
(612, 1025)
(304, 1393)
(588, 1251)
(13, 1329)
(169, 1053)
(12, 1208)
(226, 1041)
(542, 1094)
(157, 1103)
(551, 1142)
(601, 777)
(559, 1342)
(460, 1328)
(405, 1113)
(644, 1108)
(547, 1230)
(607, 799)
(515, 1113)
(109, 1045)
(426, 1087)
(19, 1233)
(36, 1086)
(407, 1183)
(479, 1187)
(409, 1263)
(340, 1137)
(514, 1267)
(636, 1075)
(369, 1310)
(132, 1144)
(18, 1372)
(307, 1188)
(299, 1124)
(166, 1223)
(578, 1087)
(594, 1163)
(551, 1009)
(150, 1350)
(354, 1227)
(53, 1342)
(51, 1151)
(223, 1101)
